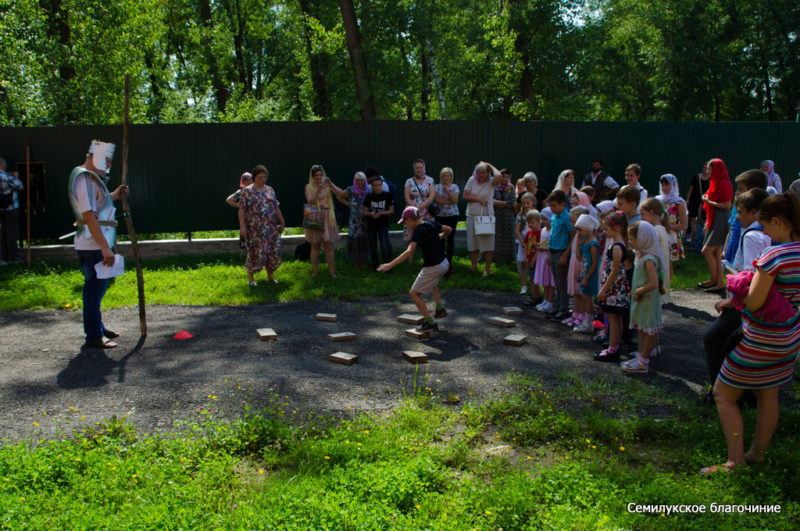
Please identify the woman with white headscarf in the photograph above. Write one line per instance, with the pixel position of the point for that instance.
(773, 179)
(566, 183)
(675, 207)
(646, 289)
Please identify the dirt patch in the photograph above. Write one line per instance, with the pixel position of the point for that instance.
(47, 376)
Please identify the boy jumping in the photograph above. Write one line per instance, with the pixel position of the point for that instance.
(426, 235)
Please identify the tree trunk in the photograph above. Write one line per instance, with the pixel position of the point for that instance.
(436, 81)
(366, 98)
(58, 28)
(426, 74)
(319, 69)
(521, 43)
(221, 93)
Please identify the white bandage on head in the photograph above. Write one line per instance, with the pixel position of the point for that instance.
(100, 151)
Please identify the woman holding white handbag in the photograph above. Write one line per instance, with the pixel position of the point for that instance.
(478, 194)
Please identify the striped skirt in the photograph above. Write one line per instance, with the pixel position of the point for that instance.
(765, 356)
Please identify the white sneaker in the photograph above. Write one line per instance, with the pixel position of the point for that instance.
(524, 290)
(585, 326)
(548, 307)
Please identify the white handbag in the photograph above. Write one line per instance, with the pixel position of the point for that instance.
(484, 225)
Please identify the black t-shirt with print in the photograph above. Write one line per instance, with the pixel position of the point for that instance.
(378, 203)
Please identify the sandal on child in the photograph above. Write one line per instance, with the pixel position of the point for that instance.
(634, 365)
(724, 467)
(606, 355)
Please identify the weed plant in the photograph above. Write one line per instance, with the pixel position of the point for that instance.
(539, 455)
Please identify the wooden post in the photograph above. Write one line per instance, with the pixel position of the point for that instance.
(28, 199)
(126, 212)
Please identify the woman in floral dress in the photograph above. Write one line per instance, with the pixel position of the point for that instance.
(261, 225)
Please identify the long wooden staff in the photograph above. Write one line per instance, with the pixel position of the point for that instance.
(28, 199)
(126, 212)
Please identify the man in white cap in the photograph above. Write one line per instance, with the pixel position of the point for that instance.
(93, 207)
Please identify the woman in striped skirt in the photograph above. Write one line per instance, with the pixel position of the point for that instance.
(765, 357)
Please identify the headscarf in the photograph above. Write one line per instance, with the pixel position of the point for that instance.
(357, 190)
(605, 206)
(673, 196)
(586, 222)
(560, 181)
(647, 240)
(795, 187)
(583, 199)
(312, 187)
(546, 213)
(773, 179)
(245, 175)
(720, 189)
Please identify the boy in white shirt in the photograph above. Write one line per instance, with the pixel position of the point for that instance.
(753, 239)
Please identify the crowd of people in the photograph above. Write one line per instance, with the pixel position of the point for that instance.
(597, 259)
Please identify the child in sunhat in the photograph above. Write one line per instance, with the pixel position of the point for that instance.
(426, 236)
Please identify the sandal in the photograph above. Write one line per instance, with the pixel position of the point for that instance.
(724, 467)
(606, 355)
(703, 285)
(99, 343)
(109, 334)
(252, 284)
(634, 365)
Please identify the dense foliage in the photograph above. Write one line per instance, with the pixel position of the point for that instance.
(63, 61)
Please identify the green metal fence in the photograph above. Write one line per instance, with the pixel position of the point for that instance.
(180, 174)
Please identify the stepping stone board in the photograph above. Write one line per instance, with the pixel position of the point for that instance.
(343, 358)
(412, 356)
(342, 336)
(326, 317)
(408, 318)
(413, 333)
(515, 340)
(267, 334)
(502, 321)
(512, 310)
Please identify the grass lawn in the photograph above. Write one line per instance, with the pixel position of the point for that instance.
(569, 452)
(211, 280)
(574, 454)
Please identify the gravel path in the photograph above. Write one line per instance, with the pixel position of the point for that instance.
(164, 379)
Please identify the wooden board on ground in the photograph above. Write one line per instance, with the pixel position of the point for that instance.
(343, 358)
(408, 318)
(342, 336)
(326, 317)
(502, 321)
(267, 334)
(512, 310)
(515, 340)
(412, 356)
(416, 334)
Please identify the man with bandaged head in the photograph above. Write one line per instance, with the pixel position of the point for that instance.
(93, 207)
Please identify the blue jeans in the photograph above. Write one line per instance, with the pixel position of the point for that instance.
(93, 290)
(381, 234)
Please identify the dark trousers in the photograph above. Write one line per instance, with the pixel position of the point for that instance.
(93, 290)
(376, 236)
(449, 249)
(560, 276)
(720, 338)
(9, 234)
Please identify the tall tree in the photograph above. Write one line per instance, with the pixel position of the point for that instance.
(366, 98)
